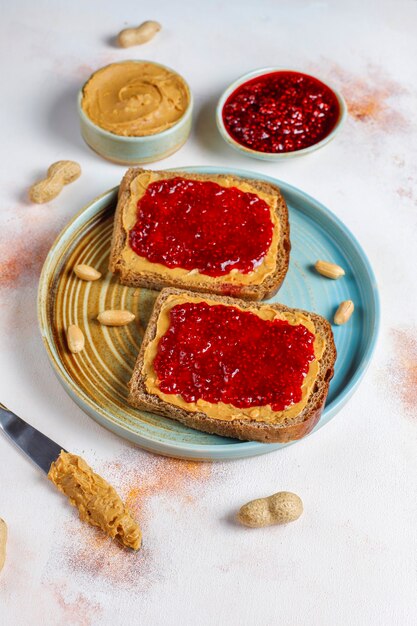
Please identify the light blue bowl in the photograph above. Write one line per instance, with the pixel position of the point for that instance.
(274, 156)
(136, 150)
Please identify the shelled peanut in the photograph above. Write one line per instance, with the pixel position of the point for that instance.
(330, 270)
(75, 339)
(115, 317)
(344, 312)
(86, 272)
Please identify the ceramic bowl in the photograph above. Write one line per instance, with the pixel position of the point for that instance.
(136, 150)
(276, 156)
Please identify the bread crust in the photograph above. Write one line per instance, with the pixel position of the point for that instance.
(289, 430)
(150, 280)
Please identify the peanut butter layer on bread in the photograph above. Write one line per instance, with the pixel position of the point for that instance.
(220, 410)
(134, 270)
(261, 424)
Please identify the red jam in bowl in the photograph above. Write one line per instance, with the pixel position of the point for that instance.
(223, 354)
(281, 112)
(201, 225)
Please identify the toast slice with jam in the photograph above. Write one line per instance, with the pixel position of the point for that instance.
(240, 369)
(208, 233)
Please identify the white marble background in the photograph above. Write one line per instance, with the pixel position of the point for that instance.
(351, 558)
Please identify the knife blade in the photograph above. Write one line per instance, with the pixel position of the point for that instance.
(37, 446)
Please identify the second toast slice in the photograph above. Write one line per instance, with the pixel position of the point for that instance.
(209, 233)
(234, 368)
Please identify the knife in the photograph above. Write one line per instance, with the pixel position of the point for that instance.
(37, 446)
(43, 451)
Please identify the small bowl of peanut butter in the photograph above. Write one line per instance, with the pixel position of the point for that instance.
(135, 112)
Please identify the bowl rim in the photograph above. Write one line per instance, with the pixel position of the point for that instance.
(276, 156)
(132, 138)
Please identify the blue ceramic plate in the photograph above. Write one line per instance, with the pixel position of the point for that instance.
(96, 378)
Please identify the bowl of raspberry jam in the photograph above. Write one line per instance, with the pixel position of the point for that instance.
(271, 114)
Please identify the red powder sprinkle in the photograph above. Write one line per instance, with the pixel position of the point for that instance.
(371, 98)
(85, 554)
(407, 193)
(22, 257)
(88, 554)
(75, 609)
(404, 367)
(83, 71)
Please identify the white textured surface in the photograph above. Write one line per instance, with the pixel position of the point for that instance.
(351, 558)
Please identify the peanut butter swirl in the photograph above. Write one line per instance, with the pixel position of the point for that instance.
(135, 98)
(98, 502)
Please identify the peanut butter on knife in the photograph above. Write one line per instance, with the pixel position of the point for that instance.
(97, 501)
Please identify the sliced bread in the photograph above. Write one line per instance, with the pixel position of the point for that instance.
(282, 430)
(136, 270)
